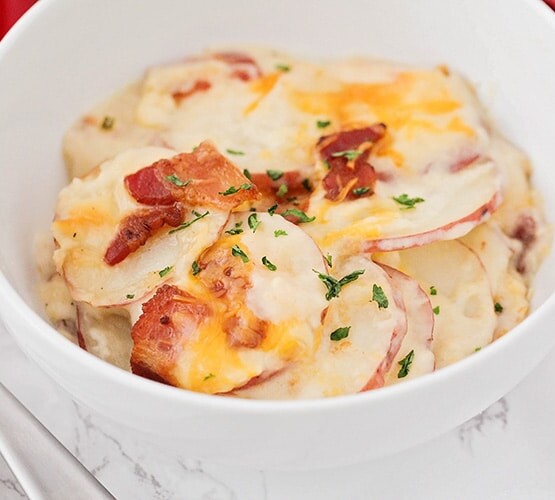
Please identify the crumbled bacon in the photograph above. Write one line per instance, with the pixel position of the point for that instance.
(169, 320)
(137, 228)
(349, 178)
(209, 173)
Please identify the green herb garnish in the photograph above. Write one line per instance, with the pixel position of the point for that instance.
(408, 202)
(188, 223)
(433, 290)
(326, 164)
(359, 191)
(279, 232)
(208, 377)
(306, 185)
(329, 260)
(350, 154)
(498, 308)
(237, 252)
(235, 229)
(283, 67)
(247, 174)
(295, 212)
(272, 209)
(195, 268)
(235, 152)
(334, 285)
(130, 296)
(379, 297)
(405, 364)
(233, 189)
(282, 191)
(436, 310)
(108, 123)
(174, 179)
(323, 123)
(268, 264)
(165, 271)
(253, 222)
(274, 174)
(340, 334)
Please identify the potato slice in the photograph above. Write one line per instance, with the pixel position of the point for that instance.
(252, 308)
(463, 304)
(510, 293)
(416, 350)
(356, 362)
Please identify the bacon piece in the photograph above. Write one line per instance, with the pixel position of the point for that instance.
(169, 320)
(346, 175)
(137, 228)
(209, 173)
(184, 92)
(243, 66)
(297, 195)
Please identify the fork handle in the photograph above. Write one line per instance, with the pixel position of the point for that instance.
(43, 466)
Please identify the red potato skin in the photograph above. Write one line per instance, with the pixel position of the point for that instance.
(378, 378)
(417, 240)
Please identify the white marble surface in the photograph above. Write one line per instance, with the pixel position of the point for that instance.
(507, 452)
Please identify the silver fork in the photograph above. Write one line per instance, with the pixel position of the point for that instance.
(42, 465)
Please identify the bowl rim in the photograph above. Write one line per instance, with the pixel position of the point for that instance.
(48, 335)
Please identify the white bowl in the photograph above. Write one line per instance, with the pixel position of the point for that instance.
(64, 56)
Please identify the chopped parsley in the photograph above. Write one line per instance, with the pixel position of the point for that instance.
(268, 264)
(498, 308)
(326, 164)
(274, 174)
(406, 201)
(477, 349)
(282, 191)
(436, 310)
(208, 377)
(323, 123)
(359, 191)
(433, 290)
(350, 154)
(233, 189)
(247, 174)
(130, 296)
(195, 268)
(334, 285)
(235, 152)
(329, 259)
(306, 185)
(295, 212)
(283, 67)
(379, 296)
(272, 209)
(253, 222)
(279, 232)
(340, 334)
(235, 229)
(174, 179)
(108, 123)
(237, 252)
(165, 271)
(185, 225)
(405, 364)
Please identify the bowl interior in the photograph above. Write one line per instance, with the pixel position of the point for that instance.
(54, 66)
